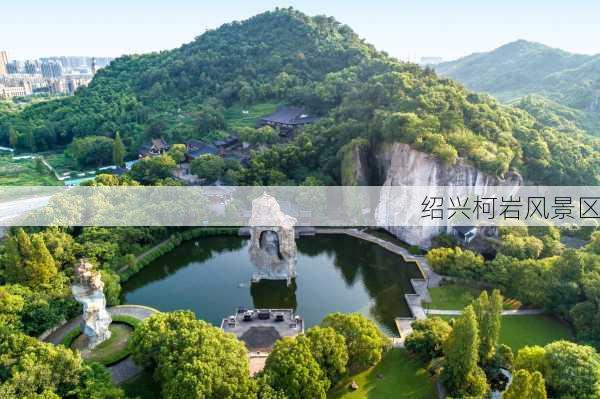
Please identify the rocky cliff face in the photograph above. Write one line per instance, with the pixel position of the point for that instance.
(400, 165)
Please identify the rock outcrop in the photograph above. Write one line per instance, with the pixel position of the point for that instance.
(401, 165)
(272, 241)
(89, 292)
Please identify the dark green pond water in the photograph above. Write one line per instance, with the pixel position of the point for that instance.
(335, 273)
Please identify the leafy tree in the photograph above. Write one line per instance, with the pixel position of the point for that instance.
(527, 247)
(209, 118)
(32, 369)
(177, 152)
(150, 170)
(364, 341)
(329, 350)
(455, 262)
(572, 370)
(292, 369)
(92, 150)
(263, 135)
(520, 387)
(118, 150)
(208, 166)
(504, 357)
(461, 374)
(112, 288)
(191, 358)
(428, 337)
(531, 358)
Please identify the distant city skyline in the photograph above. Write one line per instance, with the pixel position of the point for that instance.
(405, 29)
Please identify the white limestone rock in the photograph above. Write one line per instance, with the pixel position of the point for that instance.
(89, 292)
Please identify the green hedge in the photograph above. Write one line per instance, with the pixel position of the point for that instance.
(129, 320)
(71, 337)
(76, 332)
(174, 241)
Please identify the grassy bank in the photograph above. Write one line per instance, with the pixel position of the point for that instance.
(519, 331)
(397, 376)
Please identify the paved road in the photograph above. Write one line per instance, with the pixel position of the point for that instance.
(12, 209)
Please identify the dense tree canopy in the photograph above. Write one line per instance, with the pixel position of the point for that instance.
(329, 350)
(292, 369)
(191, 358)
(94, 150)
(428, 337)
(364, 340)
(32, 369)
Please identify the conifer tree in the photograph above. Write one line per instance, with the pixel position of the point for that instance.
(118, 150)
(12, 260)
(538, 386)
(488, 312)
(520, 386)
(40, 268)
(461, 352)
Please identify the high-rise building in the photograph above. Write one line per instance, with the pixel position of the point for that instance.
(51, 69)
(31, 67)
(3, 62)
(14, 67)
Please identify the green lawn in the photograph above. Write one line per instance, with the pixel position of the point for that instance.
(519, 331)
(236, 118)
(24, 173)
(402, 377)
(60, 162)
(141, 386)
(451, 297)
(456, 297)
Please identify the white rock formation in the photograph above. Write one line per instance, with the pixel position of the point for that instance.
(272, 241)
(401, 165)
(89, 292)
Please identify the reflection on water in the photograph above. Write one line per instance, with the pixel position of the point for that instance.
(336, 273)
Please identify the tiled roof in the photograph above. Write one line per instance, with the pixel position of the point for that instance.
(289, 116)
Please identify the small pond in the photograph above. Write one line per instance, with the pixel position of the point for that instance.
(335, 273)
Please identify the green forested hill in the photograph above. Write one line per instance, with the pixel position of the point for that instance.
(570, 82)
(167, 93)
(284, 56)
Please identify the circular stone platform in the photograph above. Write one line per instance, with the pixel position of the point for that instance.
(124, 369)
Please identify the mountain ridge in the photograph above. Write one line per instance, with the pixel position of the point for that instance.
(285, 56)
(519, 69)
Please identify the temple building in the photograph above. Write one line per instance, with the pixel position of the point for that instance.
(286, 119)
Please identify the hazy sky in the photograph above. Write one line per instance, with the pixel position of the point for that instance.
(405, 29)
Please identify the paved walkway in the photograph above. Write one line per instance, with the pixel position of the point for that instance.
(512, 312)
(125, 369)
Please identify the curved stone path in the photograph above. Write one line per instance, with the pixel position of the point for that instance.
(125, 369)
